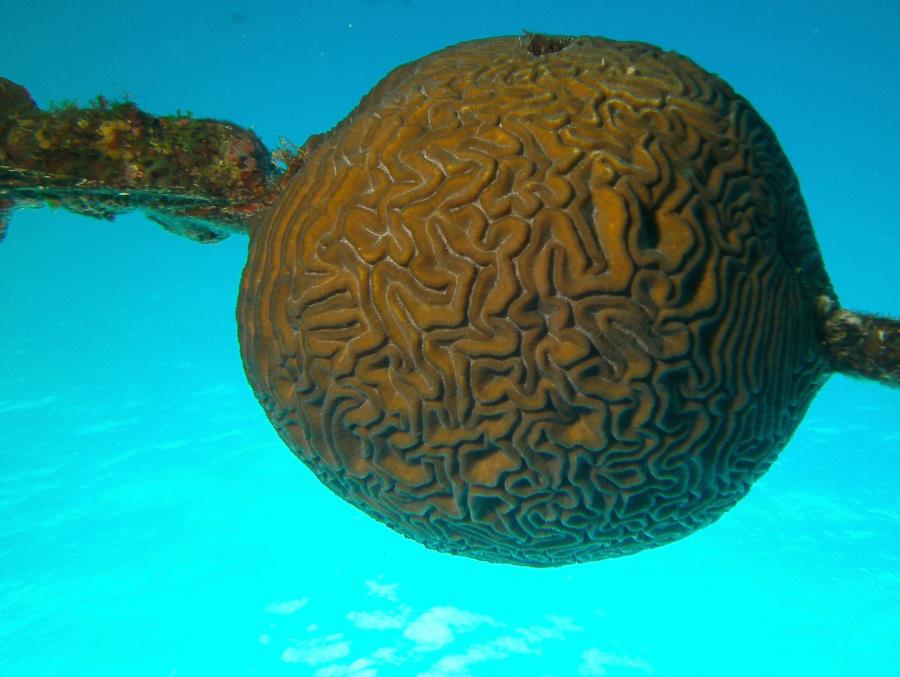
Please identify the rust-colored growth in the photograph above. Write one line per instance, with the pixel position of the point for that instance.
(866, 346)
(202, 179)
(539, 301)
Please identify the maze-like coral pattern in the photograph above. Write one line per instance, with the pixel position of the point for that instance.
(539, 308)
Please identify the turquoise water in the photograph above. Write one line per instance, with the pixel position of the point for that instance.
(151, 522)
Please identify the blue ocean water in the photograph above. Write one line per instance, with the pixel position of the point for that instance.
(152, 523)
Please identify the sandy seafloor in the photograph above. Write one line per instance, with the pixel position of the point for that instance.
(151, 522)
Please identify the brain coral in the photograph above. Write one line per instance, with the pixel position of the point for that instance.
(539, 301)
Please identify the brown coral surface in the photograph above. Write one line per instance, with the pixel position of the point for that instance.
(539, 302)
